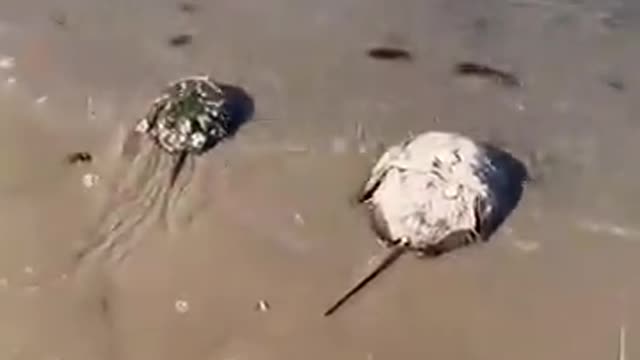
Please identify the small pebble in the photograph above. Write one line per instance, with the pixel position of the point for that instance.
(7, 62)
(28, 270)
(182, 306)
(4, 282)
(11, 81)
(89, 180)
(263, 306)
(299, 220)
(41, 99)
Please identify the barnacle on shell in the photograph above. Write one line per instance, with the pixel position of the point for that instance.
(189, 115)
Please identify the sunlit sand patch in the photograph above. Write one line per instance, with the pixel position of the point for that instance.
(339, 145)
(42, 99)
(526, 246)
(610, 229)
(7, 62)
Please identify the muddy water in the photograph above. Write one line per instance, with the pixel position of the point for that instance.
(267, 216)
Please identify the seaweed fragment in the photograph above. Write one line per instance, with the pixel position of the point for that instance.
(485, 71)
(79, 157)
(181, 40)
(389, 53)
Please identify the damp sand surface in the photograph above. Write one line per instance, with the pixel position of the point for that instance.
(265, 236)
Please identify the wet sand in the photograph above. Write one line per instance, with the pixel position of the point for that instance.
(267, 215)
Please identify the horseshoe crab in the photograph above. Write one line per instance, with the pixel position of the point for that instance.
(189, 117)
(437, 192)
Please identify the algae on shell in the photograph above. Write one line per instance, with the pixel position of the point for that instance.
(191, 115)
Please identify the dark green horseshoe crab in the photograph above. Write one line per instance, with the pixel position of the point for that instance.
(155, 159)
(191, 115)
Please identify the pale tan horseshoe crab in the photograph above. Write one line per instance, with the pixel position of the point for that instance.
(437, 192)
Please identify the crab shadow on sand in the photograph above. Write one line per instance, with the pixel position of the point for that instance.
(241, 108)
(507, 186)
(505, 179)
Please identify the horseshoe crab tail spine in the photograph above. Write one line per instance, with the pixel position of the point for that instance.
(389, 259)
(177, 167)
